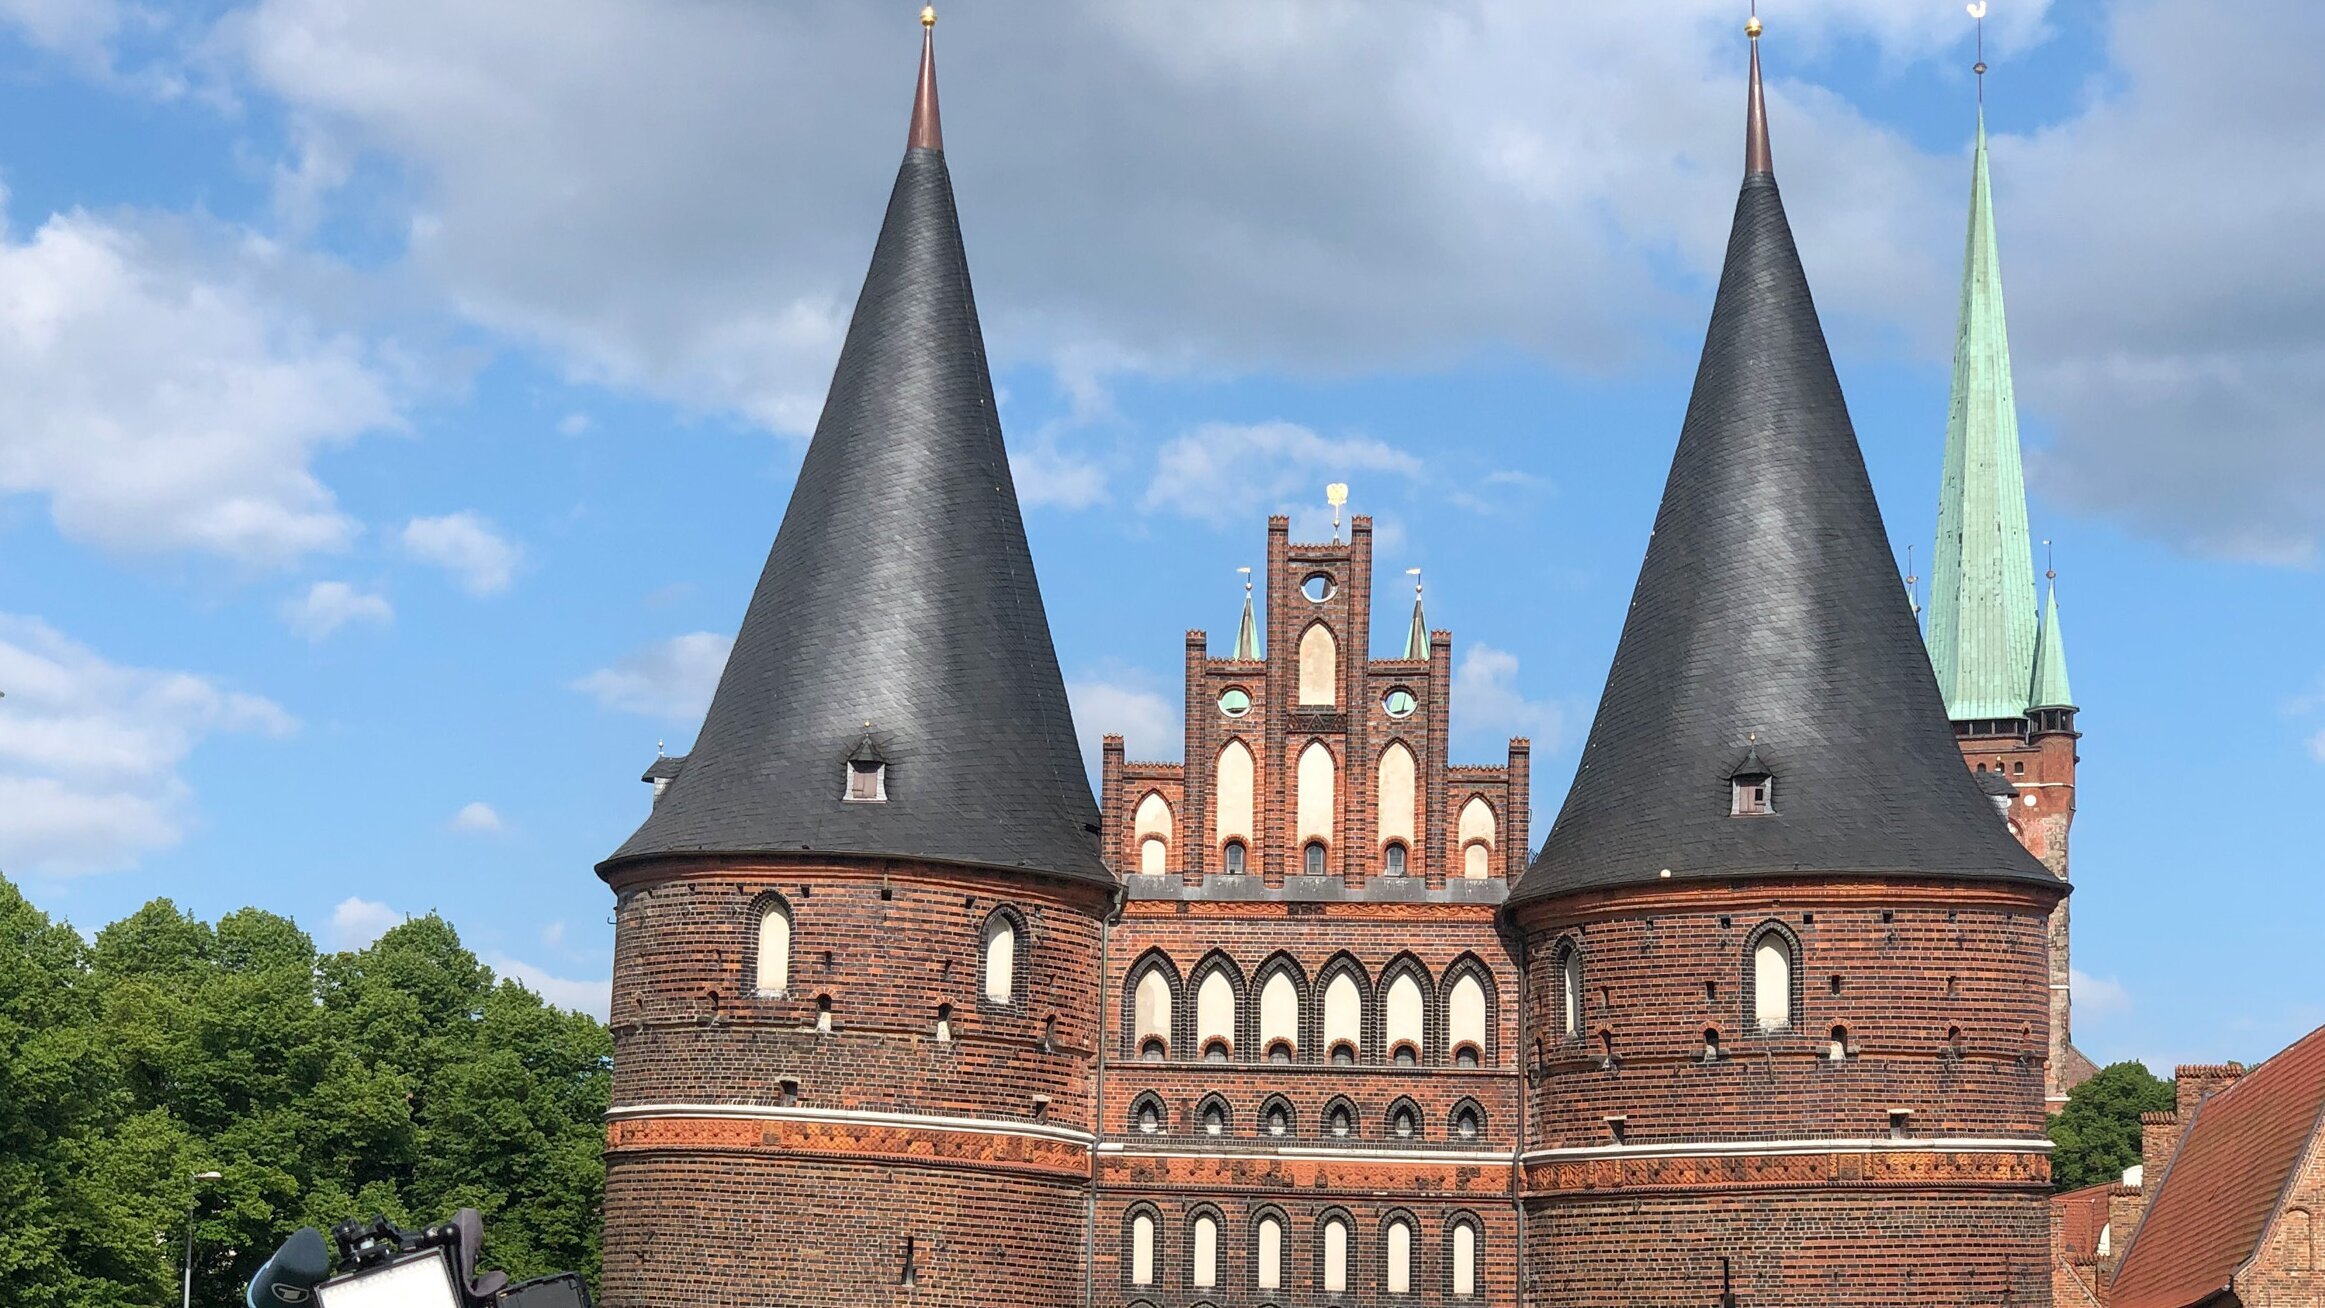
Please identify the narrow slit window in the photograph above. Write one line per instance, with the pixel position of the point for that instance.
(1000, 959)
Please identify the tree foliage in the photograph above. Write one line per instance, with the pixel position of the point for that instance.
(401, 1078)
(2096, 1136)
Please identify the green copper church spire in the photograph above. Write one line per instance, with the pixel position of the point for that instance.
(1982, 614)
(2050, 660)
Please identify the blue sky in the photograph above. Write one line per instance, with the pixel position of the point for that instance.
(397, 401)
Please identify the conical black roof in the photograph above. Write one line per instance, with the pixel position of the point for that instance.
(898, 604)
(1768, 618)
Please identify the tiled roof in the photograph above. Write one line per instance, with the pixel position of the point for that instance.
(2213, 1206)
(1768, 616)
(2082, 1215)
(898, 607)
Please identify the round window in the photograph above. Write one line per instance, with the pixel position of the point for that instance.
(1399, 703)
(1235, 701)
(1318, 588)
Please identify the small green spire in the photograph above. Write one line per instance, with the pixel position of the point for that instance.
(1417, 638)
(1982, 615)
(2050, 661)
(1247, 635)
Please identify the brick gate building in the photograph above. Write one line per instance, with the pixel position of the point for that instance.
(904, 1015)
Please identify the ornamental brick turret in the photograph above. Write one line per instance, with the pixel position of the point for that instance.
(1784, 967)
(857, 942)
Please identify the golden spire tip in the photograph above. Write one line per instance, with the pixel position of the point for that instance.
(1752, 27)
(928, 16)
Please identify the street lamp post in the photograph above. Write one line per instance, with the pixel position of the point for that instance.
(193, 1204)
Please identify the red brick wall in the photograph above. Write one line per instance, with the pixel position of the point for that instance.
(782, 1199)
(1914, 961)
(1791, 1249)
(2286, 1270)
(700, 1229)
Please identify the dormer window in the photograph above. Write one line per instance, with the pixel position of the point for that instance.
(867, 775)
(1751, 787)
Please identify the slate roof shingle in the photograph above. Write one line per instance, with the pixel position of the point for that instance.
(899, 600)
(1769, 606)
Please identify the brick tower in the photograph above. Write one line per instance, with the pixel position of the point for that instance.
(2001, 663)
(1785, 968)
(857, 942)
(1312, 1090)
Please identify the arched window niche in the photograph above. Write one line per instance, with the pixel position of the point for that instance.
(1002, 934)
(771, 962)
(1770, 964)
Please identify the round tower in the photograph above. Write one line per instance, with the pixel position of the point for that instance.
(1785, 966)
(857, 941)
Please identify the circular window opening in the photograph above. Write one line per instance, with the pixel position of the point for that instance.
(1235, 701)
(1279, 1122)
(1401, 1122)
(1214, 1120)
(1399, 703)
(1340, 1123)
(1149, 1119)
(1317, 588)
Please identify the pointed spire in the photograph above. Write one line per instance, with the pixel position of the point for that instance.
(927, 133)
(898, 622)
(2050, 689)
(1417, 637)
(1982, 611)
(1247, 635)
(1757, 159)
(1766, 611)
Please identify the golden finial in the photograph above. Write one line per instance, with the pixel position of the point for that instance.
(1752, 24)
(928, 16)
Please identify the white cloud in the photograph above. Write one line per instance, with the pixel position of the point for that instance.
(599, 186)
(468, 547)
(329, 605)
(593, 996)
(672, 679)
(356, 922)
(478, 818)
(1046, 474)
(163, 398)
(573, 424)
(1488, 705)
(1121, 701)
(2097, 997)
(90, 751)
(2317, 746)
(1224, 472)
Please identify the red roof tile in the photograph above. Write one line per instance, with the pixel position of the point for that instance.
(2213, 1203)
(2082, 1215)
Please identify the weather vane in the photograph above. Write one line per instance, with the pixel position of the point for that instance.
(1336, 495)
(2050, 571)
(1246, 581)
(1415, 574)
(1978, 15)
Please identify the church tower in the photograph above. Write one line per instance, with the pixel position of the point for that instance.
(2001, 661)
(857, 941)
(1784, 966)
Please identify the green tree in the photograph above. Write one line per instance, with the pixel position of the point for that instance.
(402, 1079)
(2096, 1136)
